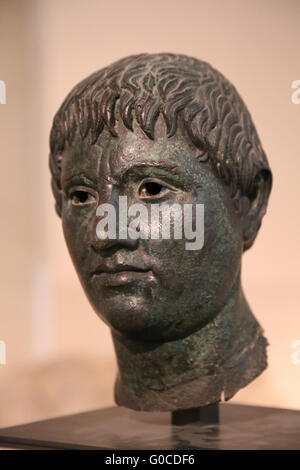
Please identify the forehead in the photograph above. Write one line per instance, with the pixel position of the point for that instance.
(114, 156)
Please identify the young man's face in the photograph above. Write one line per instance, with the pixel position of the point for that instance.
(149, 289)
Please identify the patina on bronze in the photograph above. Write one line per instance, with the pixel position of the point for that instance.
(165, 127)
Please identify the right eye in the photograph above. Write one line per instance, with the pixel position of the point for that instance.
(153, 190)
(82, 197)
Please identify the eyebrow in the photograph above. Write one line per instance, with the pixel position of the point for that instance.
(174, 169)
(160, 165)
(80, 175)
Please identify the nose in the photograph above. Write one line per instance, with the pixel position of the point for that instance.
(104, 244)
(105, 233)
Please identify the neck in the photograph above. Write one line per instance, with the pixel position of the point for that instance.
(214, 362)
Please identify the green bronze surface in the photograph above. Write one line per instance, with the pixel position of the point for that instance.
(165, 128)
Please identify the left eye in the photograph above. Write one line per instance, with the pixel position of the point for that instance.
(152, 189)
(80, 197)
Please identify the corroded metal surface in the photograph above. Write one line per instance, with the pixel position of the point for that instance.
(183, 332)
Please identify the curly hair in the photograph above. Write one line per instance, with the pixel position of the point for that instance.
(178, 87)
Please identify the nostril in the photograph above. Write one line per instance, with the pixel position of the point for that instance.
(108, 251)
(111, 245)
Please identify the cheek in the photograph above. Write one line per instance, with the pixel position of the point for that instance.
(213, 270)
(76, 231)
(223, 247)
(222, 227)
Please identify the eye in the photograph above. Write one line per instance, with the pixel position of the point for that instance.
(152, 190)
(82, 197)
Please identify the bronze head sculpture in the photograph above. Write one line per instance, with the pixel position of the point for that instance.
(165, 128)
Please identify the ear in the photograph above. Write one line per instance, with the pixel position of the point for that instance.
(255, 206)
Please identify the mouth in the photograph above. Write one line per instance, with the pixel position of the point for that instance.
(121, 275)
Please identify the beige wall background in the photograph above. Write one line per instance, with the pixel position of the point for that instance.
(59, 355)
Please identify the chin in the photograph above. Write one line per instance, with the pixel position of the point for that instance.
(137, 324)
(143, 327)
(126, 315)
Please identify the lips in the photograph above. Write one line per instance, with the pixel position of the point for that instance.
(119, 275)
(118, 269)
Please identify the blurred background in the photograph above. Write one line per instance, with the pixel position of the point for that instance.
(59, 355)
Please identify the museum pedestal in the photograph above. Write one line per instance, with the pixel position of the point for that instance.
(239, 427)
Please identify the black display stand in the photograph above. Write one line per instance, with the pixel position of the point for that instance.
(224, 426)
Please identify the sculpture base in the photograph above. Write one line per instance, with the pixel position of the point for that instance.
(240, 427)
